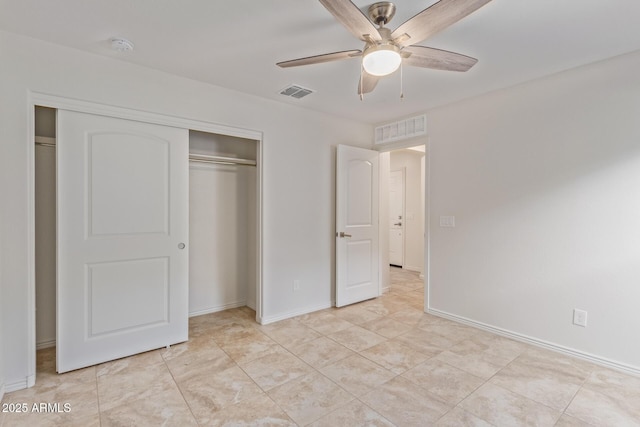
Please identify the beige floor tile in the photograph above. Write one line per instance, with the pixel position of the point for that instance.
(356, 314)
(325, 322)
(275, 369)
(207, 394)
(226, 334)
(387, 327)
(254, 411)
(424, 342)
(384, 305)
(602, 410)
(357, 374)
(502, 407)
(51, 420)
(355, 413)
(405, 404)
(290, 332)
(321, 352)
(447, 383)
(458, 417)
(130, 364)
(479, 358)
(410, 316)
(165, 409)
(454, 332)
(567, 421)
(126, 386)
(614, 384)
(245, 350)
(394, 356)
(153, 388)
(544, 379)
(81, 398)
(357, 338)
(202, 360)
(308, 398)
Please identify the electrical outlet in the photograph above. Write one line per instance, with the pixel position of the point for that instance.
(296, 285)
(579, 317)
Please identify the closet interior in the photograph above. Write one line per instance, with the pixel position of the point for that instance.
(223, 219)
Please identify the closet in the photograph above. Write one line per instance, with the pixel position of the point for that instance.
(223, 223)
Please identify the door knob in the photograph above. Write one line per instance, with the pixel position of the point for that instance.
(343, 234)
(181, 245)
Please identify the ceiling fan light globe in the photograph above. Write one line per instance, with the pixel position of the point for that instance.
(381, 60)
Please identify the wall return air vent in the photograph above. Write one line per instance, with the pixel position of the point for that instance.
(402, 129)
(296, 91)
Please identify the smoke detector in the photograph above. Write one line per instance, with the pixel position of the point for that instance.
(121, 45)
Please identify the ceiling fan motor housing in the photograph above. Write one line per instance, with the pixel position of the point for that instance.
(381, 13)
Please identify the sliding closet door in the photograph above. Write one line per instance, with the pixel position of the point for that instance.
(123, 261)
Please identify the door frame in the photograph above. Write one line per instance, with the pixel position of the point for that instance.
(60, 102)
(403, 172)
(386, 148)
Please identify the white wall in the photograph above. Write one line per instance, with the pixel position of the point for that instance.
(544, 182)
(298, 171)
(412, 162)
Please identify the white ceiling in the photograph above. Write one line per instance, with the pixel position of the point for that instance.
(236, 43)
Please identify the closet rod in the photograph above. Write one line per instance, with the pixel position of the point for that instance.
(203, 158)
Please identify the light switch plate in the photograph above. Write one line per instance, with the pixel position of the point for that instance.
(447, 221)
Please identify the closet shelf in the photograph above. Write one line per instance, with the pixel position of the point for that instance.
(204, 158)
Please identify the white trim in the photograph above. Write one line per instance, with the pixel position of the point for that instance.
(64, 103)
(45, 344)
(386, 289)
(218, 308)
(18, 385)
(414, 269)
(309, 309)
(619, 366)
(61, 102)
(1, 391)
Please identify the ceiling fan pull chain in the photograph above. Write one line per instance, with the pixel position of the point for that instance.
(361, 77)
(401, 84)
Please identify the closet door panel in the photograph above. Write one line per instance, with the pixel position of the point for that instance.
(122, 238)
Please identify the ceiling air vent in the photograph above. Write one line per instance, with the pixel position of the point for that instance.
(295, 91)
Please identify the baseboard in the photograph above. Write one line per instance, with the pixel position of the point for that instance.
(45, 344)
(18, 385)
(1, 391)
(218, 308)
(385, 289)
(613, 364)
(265, 320)
(410, 268)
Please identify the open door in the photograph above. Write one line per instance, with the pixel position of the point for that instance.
(122, 200)
(357, 236)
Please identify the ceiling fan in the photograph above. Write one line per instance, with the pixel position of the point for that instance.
(385, 50)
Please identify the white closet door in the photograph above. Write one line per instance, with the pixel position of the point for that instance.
(122, 285)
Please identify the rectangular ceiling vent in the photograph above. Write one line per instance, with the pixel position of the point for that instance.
(296, 91)
(403, 129)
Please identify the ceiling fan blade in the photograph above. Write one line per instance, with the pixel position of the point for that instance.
(367, 83)
(428, 57)
(317, 59)
(352, 18)
(434, 19)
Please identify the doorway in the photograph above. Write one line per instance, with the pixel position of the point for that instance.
(412, 160)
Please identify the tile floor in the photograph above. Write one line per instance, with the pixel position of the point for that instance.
(382, 362)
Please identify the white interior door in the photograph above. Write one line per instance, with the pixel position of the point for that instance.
(357, 225)
(396, 218)
(122, 210)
